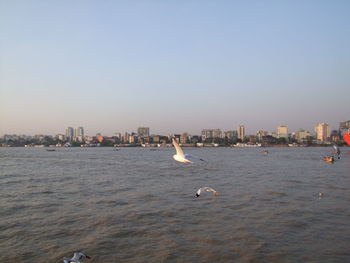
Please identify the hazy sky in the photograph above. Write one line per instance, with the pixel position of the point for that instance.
(174, 66)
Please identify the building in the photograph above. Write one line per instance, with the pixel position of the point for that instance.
(302, 136)
(344, 127)
(125, 138)
(241, 132)
(260, 134)
(143, 131)
(69, 133)
(322, 131)
(282, 131)
(79, 134)
(211, 134)
(185, 138)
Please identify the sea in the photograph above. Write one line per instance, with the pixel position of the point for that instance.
(137, 205)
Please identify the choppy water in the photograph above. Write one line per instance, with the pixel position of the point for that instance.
(137, 205)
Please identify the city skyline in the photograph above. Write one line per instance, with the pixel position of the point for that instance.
(143, 131)
(177, 66)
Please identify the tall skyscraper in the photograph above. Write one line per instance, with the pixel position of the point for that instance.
(241, 132)
(69, 133)
(143, 131)
(79, 132)
(282, 131)
(322, 131)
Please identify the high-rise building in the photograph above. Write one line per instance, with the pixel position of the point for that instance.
(241, 132)
(69, 133)
(322, 131)
(79, 132)
(282, 131)
(143, 131)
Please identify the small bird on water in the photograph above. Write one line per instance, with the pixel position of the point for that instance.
(207, 189)
(76, 258)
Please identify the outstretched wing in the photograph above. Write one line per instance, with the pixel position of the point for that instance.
(178, 149)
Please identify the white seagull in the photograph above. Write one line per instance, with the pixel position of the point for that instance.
(180, 156)
(76, 258)
(207, 189)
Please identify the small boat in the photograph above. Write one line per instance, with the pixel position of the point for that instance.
(265, 152)
(50, 150)
(328, 159)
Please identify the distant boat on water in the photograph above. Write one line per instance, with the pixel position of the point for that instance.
(50, 150)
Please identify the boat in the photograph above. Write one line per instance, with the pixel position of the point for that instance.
(50, 150)
(346, 138)
(328, 159)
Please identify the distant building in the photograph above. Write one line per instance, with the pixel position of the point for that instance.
(282, 131)
(302, 136)
(211, 134)
(344, 127)
(61, 137)
(229, 134)
(117, 135)
(79, 134)
(125, 138)
(260, 134)
(322, 131)
(185, 138)
(70, 133)
(143, 131)
(241, 132)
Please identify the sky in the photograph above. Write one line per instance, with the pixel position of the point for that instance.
(173, 66)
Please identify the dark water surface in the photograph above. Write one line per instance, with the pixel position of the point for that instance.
(137, 205)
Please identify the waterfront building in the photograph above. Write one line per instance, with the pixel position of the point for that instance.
(143, 131)
(185, 138)
(117, 135)
(260, 134)
(132, 139)
(61, 137)
(211, 134)
(79, 134)
(282, 131)
(70, 133)
(344, 127)
(302, 136)
(229, 134)
(241, 132)
(322, 131)
(125, 138)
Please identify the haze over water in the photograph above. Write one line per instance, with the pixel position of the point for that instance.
(137, 205)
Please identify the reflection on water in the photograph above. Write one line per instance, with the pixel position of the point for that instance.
(137, 205)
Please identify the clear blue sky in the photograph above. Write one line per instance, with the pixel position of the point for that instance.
(174, 66)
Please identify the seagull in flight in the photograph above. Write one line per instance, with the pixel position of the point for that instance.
(76, 258)
(180, 156)
(206, 189)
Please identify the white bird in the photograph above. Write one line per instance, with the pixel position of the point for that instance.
(76, 258)
(207, 189)
(180, 156)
